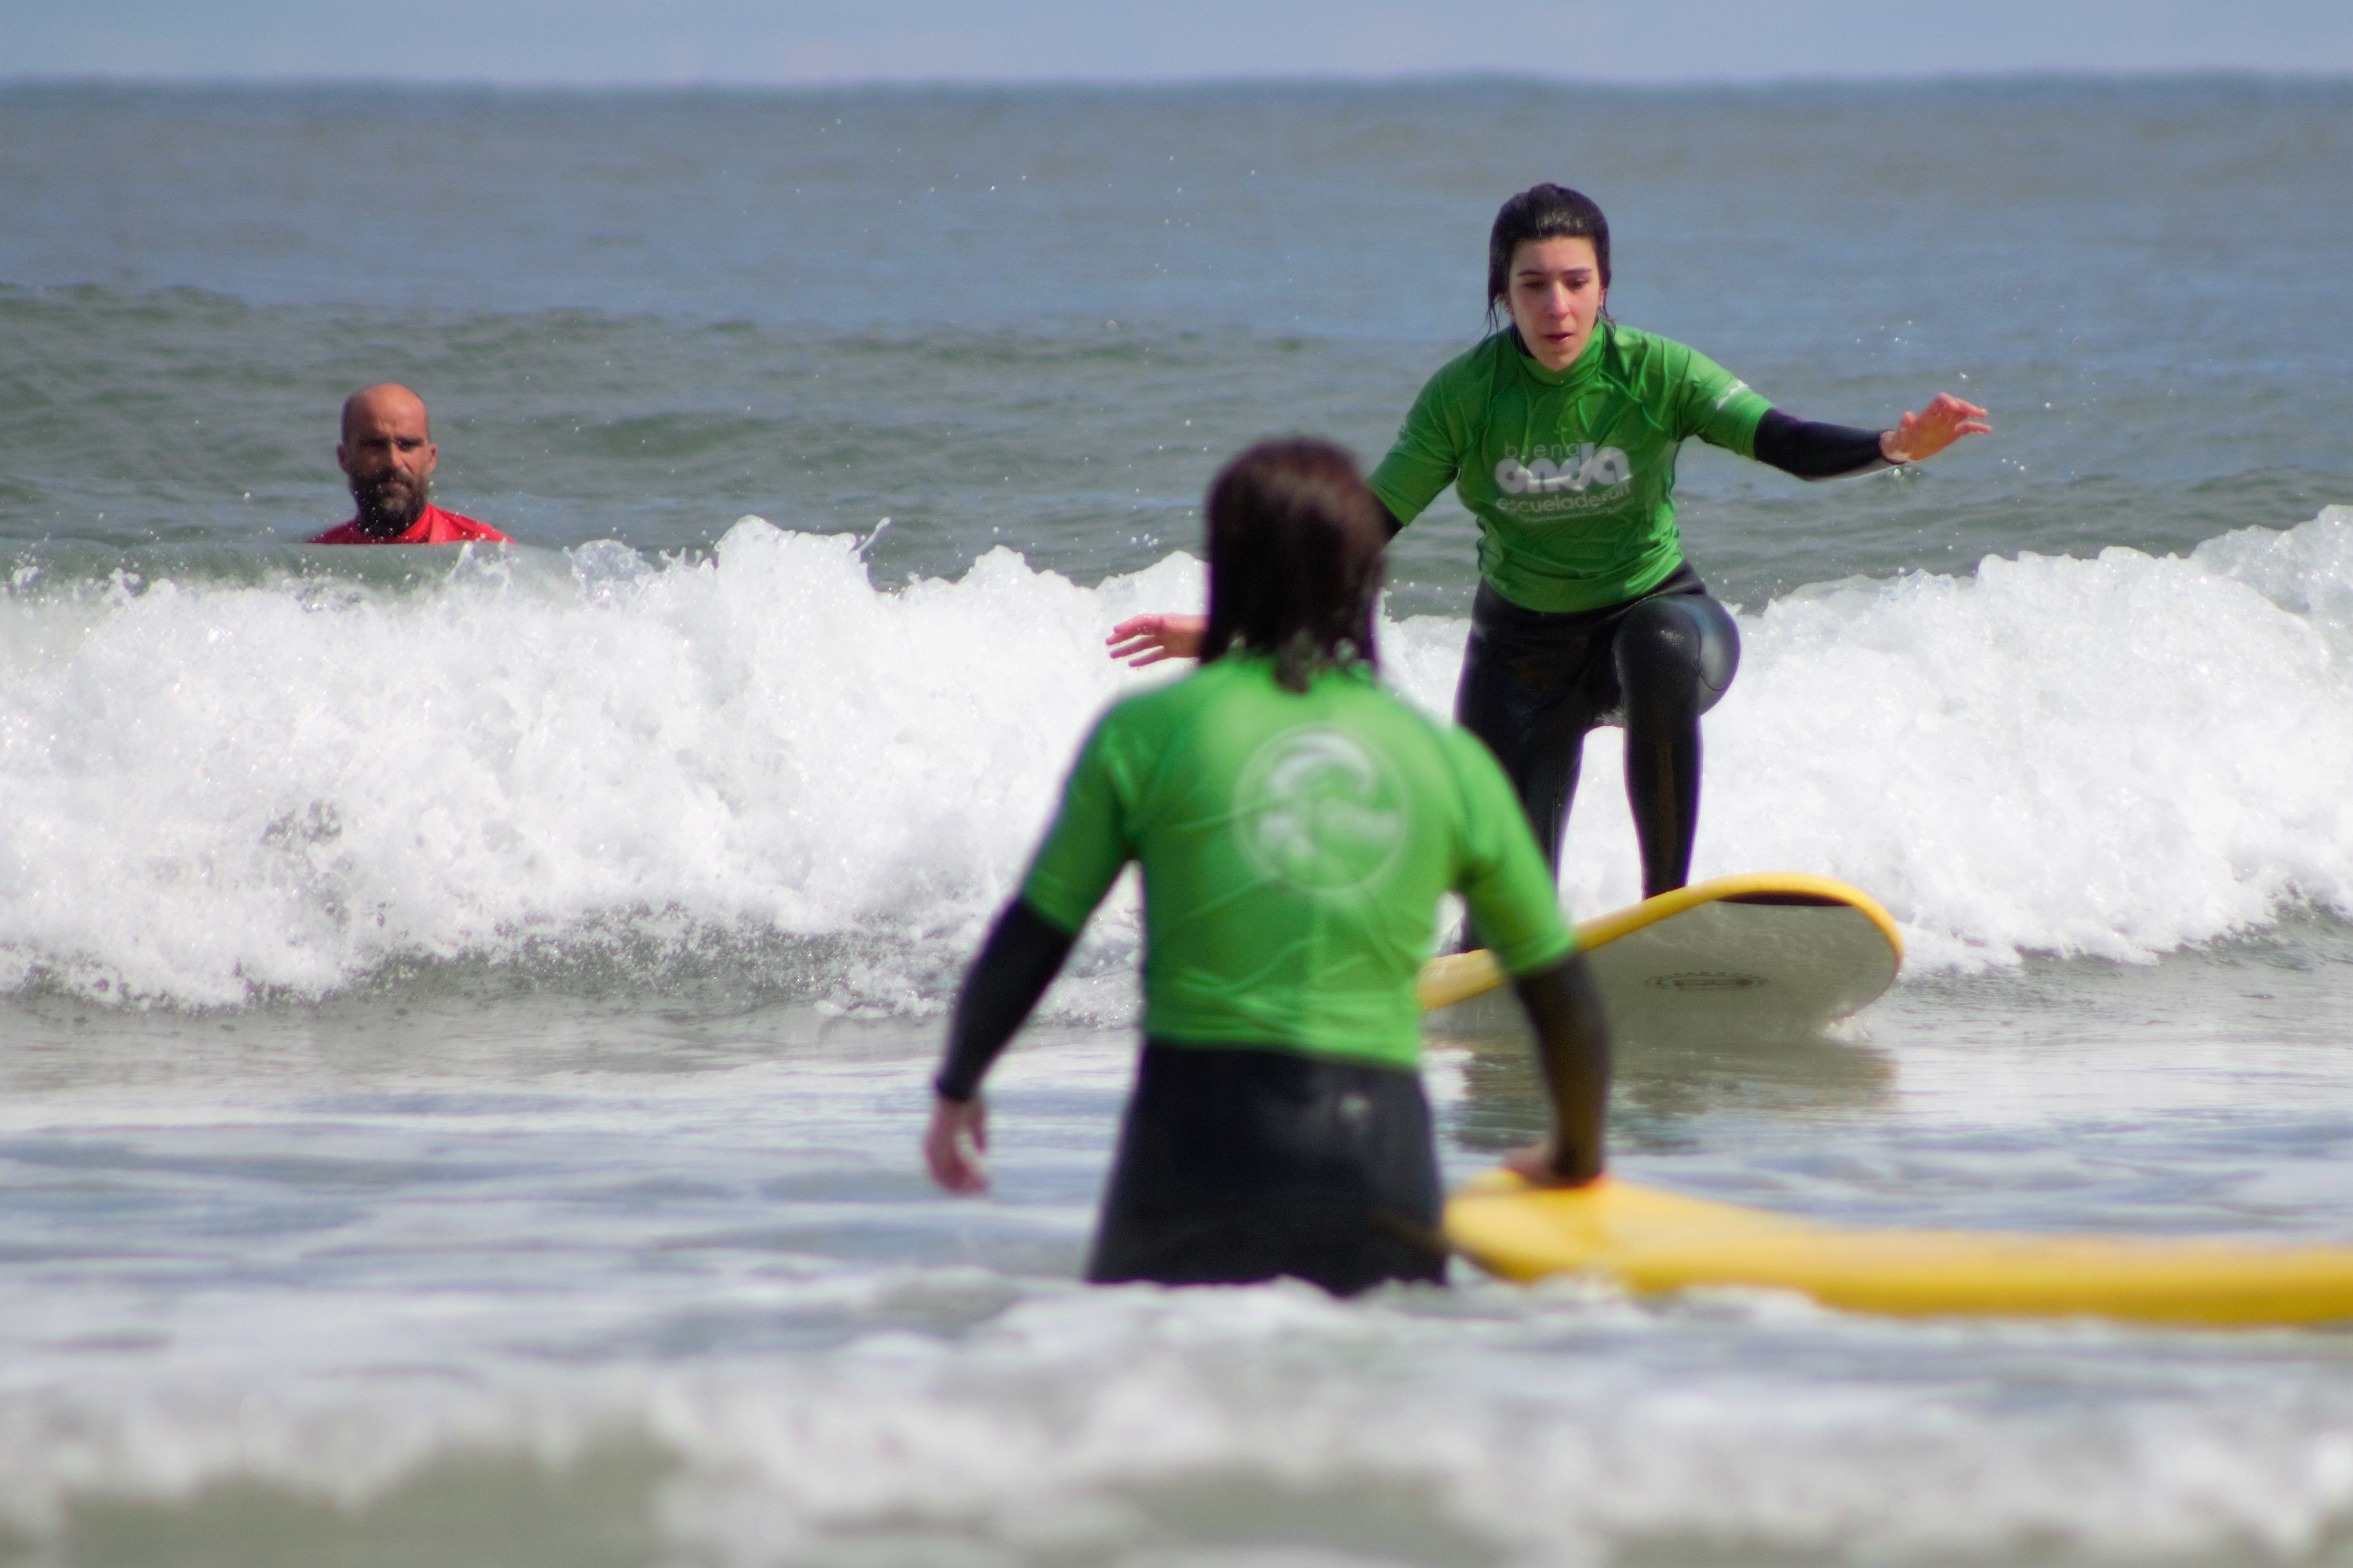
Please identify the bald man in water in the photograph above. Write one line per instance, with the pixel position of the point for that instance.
(387, 453)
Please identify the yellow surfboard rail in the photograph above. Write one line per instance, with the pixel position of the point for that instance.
(1653, 1242)
(1457, 977)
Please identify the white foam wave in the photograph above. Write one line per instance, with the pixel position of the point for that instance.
(217, 790)
(1561, 1426)
(2116, 757)
(213, 791)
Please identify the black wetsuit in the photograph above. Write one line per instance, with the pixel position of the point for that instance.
(1236, 1164)
(1242, 1164)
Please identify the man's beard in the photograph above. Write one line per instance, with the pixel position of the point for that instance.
(391, 504)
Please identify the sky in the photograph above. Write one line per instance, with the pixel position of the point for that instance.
(810, 42)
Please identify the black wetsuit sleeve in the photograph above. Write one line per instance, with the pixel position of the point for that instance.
(1388, 517)
(1814, 452)
(1018, 962)
(1573, 1043)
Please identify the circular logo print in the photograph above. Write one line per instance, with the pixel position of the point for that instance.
(1320, 812)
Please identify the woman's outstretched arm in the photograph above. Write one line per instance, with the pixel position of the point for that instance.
(1811, 450)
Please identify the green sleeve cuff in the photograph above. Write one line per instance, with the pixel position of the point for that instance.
(1059, 907)
(1539, 951)
(1386, 492)
(1750, 411)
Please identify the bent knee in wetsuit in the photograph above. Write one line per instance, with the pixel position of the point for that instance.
(1674, 656)
(1533, 683)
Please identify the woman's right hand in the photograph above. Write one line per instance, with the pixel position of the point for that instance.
(1148, 639)
(955, 1143)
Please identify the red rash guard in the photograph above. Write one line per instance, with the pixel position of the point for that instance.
(433, 527)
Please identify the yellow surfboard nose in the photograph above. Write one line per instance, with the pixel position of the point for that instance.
(1653, 1242)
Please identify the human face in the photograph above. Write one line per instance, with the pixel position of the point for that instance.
(387, 453)
(1556, 295)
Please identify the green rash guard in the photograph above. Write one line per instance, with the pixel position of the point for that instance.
(1571, 474)
(1294, 847)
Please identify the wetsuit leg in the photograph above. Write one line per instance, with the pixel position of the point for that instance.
(1533, 684)
(1526, 692)
(1240, 1163)
(1673, 655)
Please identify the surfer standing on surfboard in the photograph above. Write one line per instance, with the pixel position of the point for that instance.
(1295, 825)
(1559, 431)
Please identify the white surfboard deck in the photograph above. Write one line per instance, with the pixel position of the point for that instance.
(1772, 953)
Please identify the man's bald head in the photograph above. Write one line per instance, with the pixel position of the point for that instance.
(389, 455)
(388, 400)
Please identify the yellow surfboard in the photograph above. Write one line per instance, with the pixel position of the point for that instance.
(1772, 952)
(1652, 1242)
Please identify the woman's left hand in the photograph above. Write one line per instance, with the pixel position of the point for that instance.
(1933, 428)
(1148, 639)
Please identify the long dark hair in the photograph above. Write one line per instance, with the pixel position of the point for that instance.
(1542, 211)
(1295, 543)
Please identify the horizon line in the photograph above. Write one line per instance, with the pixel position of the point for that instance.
(2317, 76)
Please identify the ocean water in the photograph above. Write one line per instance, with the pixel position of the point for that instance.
(465, 1016)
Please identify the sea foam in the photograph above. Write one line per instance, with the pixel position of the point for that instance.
(220, 792)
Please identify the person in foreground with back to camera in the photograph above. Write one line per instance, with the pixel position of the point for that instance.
(387, 454)
(1559, 430)
(1295, 825)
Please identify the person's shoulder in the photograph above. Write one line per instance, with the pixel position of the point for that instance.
(1151, 707)
(1445, 750)
(1634, 347)
(1137, 730)
(1462, 747)
(454, 525)
(1404, 719)
(1475, 367)
(1469, 375)
(1369, 685)
(1219, 691)
(346, 533)
(1645, 353)
(1651, 366)
(1468, 758)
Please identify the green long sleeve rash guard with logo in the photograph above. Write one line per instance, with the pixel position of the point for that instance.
(1571, 473)
(1293, 846)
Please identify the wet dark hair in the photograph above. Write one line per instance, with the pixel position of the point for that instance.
(1295, 549)
(1541, 212)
